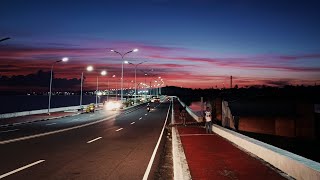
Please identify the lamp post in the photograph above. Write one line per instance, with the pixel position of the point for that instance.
(135, 79)
(89, 68)
(65, 59)
(103, 73)
(122, 57)
(116, 90)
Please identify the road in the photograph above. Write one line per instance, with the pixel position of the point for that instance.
(103, 145)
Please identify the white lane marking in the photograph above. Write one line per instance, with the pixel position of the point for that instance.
(94, 140)
(140, 118)
(145, 114)
(20, 169)
(119, 129)
(10, 130)
(54, 132)
(132, 122)
(146, 174)
(50, 124)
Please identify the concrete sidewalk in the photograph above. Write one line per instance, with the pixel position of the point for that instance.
(210, 156)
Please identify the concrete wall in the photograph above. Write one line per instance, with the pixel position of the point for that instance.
(280, 126)
(257, 125)
(305, 122)
(285, 127)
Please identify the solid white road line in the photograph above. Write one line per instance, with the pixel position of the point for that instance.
(119, 129)
(20, 169)
(132, 122)
(146, 174)
(94, 140)
(9, 130)
(50, 124)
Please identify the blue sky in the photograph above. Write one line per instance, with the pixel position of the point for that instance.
(247, 39)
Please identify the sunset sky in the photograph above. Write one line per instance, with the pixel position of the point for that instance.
(195, 44)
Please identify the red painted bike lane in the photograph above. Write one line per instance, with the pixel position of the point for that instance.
(209, 156)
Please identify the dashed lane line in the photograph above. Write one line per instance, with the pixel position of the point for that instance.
(132, 123)
(140, 118)
(119, 129)
(94, 140)
(20, 169)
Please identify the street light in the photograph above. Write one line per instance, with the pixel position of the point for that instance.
(65, 59)
(116, 90)
(122, 57)
(135, 79)
(89, 69)
(103, 73)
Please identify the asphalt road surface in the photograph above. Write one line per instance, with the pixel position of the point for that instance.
(103, 145)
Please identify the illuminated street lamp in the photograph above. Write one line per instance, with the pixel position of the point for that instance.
(89, 69)
(135, 79)
(65, 59)
(122, 57)
(103, 73)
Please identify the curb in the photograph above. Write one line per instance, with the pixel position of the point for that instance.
(180, 164)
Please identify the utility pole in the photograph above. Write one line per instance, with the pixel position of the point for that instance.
(230, 82)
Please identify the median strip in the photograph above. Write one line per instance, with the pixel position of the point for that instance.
(119, 129)
(94, 140)
(20, 169)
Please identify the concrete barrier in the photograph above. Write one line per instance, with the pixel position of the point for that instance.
(180, 164)
(41, 111)
(294, 165)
